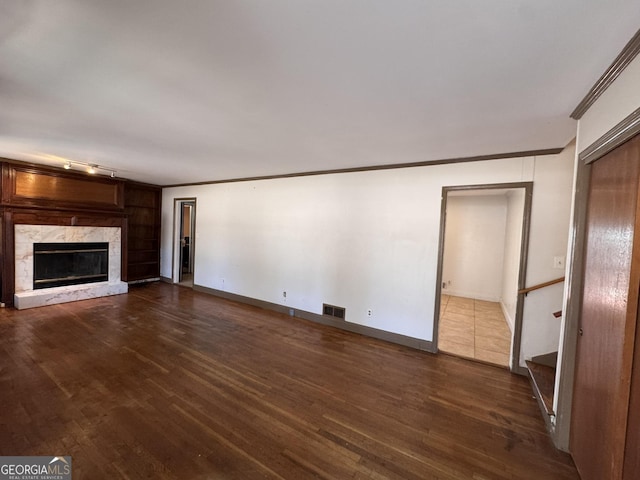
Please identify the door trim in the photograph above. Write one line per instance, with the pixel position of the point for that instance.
(522, 273)
(621, 133)
(572, 307)
(619, 330)
(177, 228)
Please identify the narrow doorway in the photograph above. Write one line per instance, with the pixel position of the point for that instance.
(480, 272)
(184, 252)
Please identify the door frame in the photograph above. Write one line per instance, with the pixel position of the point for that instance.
(586, 197)
(514, 361)
(176, 264)
(190, 206)
(625, 130)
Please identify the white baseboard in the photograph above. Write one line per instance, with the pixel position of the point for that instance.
(477, 296)
(507, 317)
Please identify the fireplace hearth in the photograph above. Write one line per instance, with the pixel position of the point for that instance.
(69, 263)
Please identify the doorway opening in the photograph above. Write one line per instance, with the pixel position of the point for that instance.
(184, 241)
(481, 268)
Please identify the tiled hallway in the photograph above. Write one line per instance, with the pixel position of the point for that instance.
(474, 329)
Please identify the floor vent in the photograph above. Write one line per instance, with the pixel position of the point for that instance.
(333, 311)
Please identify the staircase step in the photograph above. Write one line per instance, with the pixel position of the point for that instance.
(548, 359)
(543, 379)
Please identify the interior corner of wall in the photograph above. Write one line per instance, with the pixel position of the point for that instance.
(574, 140)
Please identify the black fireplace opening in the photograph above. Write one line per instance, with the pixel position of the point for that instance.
(61, 264)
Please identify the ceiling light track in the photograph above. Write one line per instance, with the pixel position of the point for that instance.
(90, 168)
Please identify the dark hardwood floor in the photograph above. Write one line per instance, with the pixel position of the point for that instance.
(167, 383)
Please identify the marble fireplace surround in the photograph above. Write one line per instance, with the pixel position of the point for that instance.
(26, 235)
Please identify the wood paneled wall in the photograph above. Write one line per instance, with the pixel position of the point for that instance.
(39, 195)
(24, 185)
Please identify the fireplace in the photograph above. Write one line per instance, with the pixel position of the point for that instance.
(69, 263)
(81, 268)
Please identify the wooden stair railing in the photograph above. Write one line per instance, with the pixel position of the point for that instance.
(542, 368)
(541, 285)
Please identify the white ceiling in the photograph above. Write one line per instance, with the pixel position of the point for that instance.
(168, 91)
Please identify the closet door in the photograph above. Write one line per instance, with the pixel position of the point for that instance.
(608, 317)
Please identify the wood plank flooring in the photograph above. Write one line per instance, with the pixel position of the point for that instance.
(168, 383)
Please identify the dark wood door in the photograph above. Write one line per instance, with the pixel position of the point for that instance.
(608, 319)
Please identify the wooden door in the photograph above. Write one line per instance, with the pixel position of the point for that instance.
(608, 316)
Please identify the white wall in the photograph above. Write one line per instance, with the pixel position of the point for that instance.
(474, 246)
(550, 213)
(366, 240)
(511, 262)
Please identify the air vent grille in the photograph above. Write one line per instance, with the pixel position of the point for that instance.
(333, 311)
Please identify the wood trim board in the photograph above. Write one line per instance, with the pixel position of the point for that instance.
(322, 319)
(625, 130)
(624, 58)
(427, 163)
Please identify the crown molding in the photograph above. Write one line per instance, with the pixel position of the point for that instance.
(392, 166)
(626, 56)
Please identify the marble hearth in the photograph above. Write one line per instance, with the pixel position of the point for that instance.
(26, 235)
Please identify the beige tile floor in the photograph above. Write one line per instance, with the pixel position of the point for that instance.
(474, 329)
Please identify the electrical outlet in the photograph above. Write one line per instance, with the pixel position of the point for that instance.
(369, 312)
(284, 294)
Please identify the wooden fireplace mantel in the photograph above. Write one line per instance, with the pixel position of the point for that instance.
(39, 195)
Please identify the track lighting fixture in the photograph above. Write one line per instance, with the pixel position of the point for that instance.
(90, 168)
